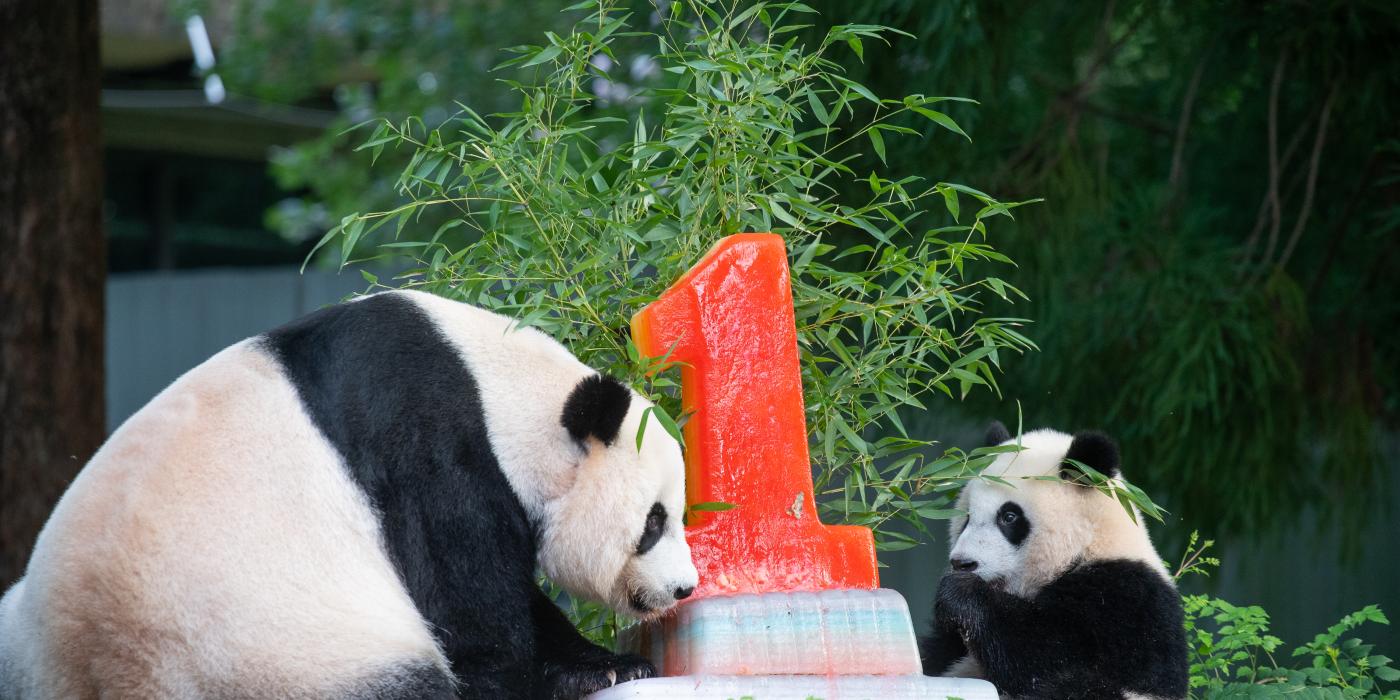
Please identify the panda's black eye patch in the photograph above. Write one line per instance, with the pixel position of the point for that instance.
(1012, 522)
(656, 525)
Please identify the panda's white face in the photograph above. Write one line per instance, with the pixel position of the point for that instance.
(659, 571)
(995, 536)
(617, 536)
(566, 439)
(1025, 532)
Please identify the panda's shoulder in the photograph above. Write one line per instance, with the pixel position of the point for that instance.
(383, 340)
(368, 321)
(491, 338)
(1126, 582)
(402, 324)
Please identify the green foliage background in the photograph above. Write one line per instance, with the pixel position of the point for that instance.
(1242, 350)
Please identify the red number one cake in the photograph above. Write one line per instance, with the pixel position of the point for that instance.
(786, 606)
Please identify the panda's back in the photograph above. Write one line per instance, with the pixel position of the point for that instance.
(170, 566)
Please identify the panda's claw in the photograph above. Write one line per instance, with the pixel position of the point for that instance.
(576, 679)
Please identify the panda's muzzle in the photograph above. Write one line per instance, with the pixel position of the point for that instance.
(639, 604)
(647, 605)
(962, 565)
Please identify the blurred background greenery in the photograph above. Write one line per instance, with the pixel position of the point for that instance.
(1209, 275)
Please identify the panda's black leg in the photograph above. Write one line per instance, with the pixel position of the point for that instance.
(487, 638)
(571, 666)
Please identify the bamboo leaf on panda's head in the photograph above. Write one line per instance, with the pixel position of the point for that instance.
(642, 426)
(1119, 489)
(668, 423)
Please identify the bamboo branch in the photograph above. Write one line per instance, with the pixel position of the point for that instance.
(1313, 162)
(1183, 124)
(1262, 216)
(1270, 205)
(1275, 206)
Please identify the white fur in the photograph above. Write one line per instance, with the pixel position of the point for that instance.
(1068, 522)
(591, 503)
(139, 584)
(966, 667)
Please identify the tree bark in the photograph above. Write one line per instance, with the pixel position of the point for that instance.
(53, 260)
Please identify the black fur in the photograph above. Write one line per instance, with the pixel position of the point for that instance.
(589, 676)
(596, 408)
(997, 434)
(1013, 523)
(413, 682)
(1101, 629)
(940, 650)
(653, 530)
(398, 403)
(1093, 449)
(571, 666)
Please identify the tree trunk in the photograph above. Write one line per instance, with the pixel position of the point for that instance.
(53, 260)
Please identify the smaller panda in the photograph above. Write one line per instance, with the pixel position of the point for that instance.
(1054, 591)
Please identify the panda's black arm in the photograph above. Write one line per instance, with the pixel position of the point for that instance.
(940, 650)
(1020, 643)
(556, 638)
(570, 666)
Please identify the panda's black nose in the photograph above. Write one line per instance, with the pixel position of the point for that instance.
(963, 564)
(683, 593)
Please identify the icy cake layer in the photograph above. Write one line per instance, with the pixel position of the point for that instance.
(825, 633)
(802, 688)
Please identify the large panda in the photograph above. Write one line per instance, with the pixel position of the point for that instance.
(1055, 592)
(354, 506)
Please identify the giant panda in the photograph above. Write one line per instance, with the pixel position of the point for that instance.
(1054, 591)
(355, 505)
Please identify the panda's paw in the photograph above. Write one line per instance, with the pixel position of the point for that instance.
(575, 679)
(959, 601)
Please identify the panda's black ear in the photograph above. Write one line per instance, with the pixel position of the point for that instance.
(997, 434)
(1094, 450)
(596, 408)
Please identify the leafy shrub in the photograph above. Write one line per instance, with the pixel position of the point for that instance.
(1232, 653)
(577, 209)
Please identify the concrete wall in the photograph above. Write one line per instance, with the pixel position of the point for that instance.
(161, 324)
